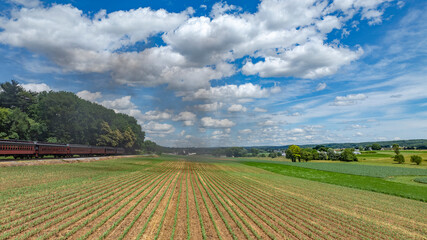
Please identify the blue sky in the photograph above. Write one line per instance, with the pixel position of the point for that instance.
(231, 73)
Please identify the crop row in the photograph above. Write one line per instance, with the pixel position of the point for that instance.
(195, 200)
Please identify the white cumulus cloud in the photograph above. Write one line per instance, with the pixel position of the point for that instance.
(89, 96)
(188, 118)
(244, 91)
(36, 87)
(350, 99)
(209, 107)
(261, 110)
(237, 108)
(209, 122)
(320, 86)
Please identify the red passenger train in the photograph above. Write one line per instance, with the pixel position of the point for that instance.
(29, 149)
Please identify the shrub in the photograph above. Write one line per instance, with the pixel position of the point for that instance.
(416, 159)
(399, 158)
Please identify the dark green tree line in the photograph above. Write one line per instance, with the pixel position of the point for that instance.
(64, 117)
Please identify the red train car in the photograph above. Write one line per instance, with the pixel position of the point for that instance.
(110, 151)
(81, 150)
(98, 150)
(30, 149)
(58, 150)
(17, 149)
(120, 151)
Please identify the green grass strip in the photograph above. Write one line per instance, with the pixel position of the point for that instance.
(353, 181)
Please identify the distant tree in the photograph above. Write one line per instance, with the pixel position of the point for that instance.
(293, 153)
(306, 154)
(128, 139)
(109, 137)
(150, 147)
(15, 124)
(416, 159)
(321, 148)
(332, 155)
(235, 152)
(348, 155)
(399, 158)
(272, 155)
(376, 146)
(218, 152)
(315, 154)
(13, 95)
(323, 156)
(254, 151)
(396, 148)
(317, 147)
(4, 122)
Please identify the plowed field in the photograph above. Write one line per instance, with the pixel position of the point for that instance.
(179, 199)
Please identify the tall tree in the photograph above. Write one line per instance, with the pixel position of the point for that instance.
(396, 148)
(293, 152)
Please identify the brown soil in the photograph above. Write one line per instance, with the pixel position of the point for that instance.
(77, 205)
(312, 210)
(137, 227)
(195, 228)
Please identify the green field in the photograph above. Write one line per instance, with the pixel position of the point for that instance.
(360, 169)
(196, 197)
(348, 180)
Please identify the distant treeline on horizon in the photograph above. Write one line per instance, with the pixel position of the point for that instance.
(405, 144)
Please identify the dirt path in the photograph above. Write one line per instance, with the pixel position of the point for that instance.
(33, 162)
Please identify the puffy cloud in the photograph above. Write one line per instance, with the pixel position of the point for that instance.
(209, 122)
(36, 87)
(320, 86)
(287, 37)
(156, 115)
(350, 99)
(122, 104)
(188, 118)
(261, 110)
(237, 108)
(296, 131)
(243, 91)
(89, 96)
(60, 28)
(275, 89)
(27, 3)
(79, 43)
(245, 131)
(310, 60)
(158, 128)
(210, 107)
(267, 123)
